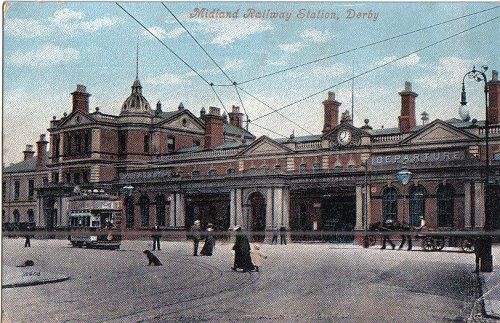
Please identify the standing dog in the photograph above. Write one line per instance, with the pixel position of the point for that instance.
(152, 258)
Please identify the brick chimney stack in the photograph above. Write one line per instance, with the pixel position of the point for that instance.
(236, 117)
(41, 152)
(214, 128)
(494, 99)
(81, 99)
(407, 119)
(28, 153)
(331, 108)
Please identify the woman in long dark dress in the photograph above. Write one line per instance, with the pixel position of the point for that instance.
(242, 259)
(208, 247)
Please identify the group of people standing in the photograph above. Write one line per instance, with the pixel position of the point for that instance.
(196, 234)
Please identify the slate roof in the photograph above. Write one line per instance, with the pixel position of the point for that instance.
(190, 149)
(28, 165)
(300, 139)
(231, 130)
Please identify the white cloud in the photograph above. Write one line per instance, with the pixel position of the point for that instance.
(155, 30)
(233, 65)
(449, 71)
(274, 63)
(316, 36)
(291, 47)
(47, 55)
(73, 22)
(176, 32)
(65, 15)
(410, 60)
(226, 31)
(166, 79)
(25, 28)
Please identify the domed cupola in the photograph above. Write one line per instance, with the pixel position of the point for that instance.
(136, 102)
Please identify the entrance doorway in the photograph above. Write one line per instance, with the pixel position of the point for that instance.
(208, 208)
(338, 213)
(257, 216)
(50, 213)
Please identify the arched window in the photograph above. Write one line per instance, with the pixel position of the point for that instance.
(17, 216)
(144, 205)
(31, 216)
(445, 205)
(195, 173)
(417, 205)
(212, 172)
(230, 171)
(389, 203)
(129, 212)
(4, 217)
(160, 210)
(316, 167)
(302, 168)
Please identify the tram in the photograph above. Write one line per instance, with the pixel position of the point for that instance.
(94, 221)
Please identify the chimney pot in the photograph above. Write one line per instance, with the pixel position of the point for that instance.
(407, 119)
(81, 99)
(494, 98)
(214, 111)
(331, 112)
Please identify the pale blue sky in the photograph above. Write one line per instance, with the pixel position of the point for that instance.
(51, 47)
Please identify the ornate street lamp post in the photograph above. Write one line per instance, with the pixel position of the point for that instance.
(404, 176)
(484, 242)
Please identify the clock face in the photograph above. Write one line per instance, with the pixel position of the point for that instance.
(344, 137)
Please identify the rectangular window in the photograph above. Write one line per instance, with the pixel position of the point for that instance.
(196, 142)
(31, 188)
(316, 167)
(171, 144)
(302, 168)
(146, 144)
(76, 177)
(17, 186)
(4, 190)
(68, 178)
(45, 181)
(57, 144)
(55, 176)
(123, 143)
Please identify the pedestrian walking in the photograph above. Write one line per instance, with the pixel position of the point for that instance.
(156, 237)
(27, 242)
(195, 235)
(242, 259)
(275, 235)
(283, 235)
(257, 257)
(387, 226)
(209, 245)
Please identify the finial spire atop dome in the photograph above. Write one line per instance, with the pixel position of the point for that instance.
(137, 62)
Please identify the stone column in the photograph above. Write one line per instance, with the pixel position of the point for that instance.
(269, 208)
(359, 207)
(232, 208)
(171, 211)
(96, 143)
(286, 207)
(479, 203)
(467, 205)
(278, 206)
(61, 147)
(180, 210)
(239, 207)
(368, 205)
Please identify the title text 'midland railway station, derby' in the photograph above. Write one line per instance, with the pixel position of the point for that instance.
(152, 165)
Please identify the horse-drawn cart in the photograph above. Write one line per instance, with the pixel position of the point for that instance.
(430, 240)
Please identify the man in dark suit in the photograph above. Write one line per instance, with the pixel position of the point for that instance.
(156, 237)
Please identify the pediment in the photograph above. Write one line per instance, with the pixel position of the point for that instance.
(76, 118)
(183, 121)
(437, 132)
(265, 146)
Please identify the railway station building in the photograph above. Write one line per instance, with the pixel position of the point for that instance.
(179, 166)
